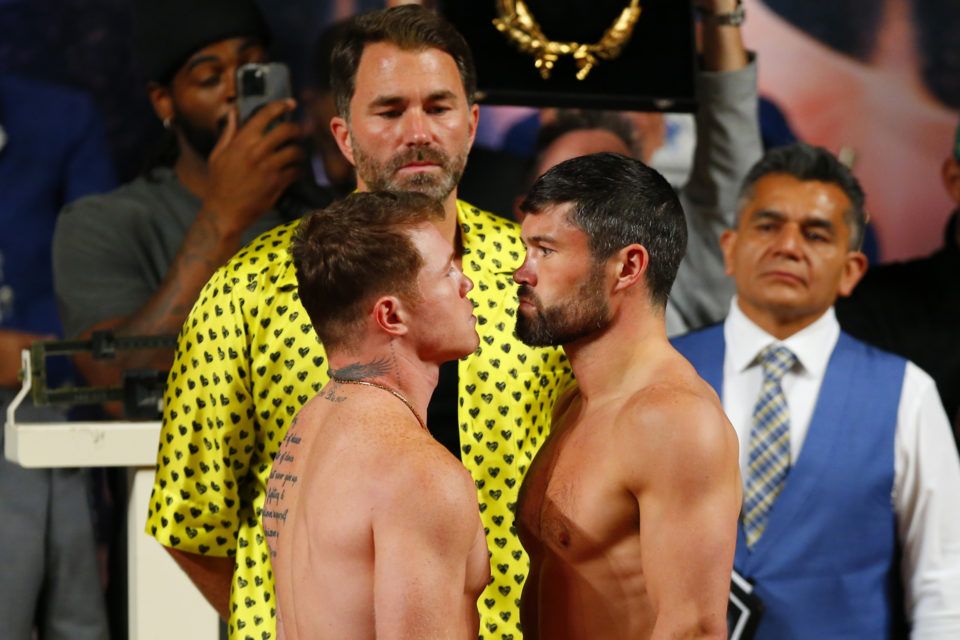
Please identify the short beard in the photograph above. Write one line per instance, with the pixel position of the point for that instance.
(384, 177)
(201, 139)
(583, 315)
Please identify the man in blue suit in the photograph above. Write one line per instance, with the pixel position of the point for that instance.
(849, 527)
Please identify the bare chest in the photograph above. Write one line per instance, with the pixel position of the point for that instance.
(573, 501)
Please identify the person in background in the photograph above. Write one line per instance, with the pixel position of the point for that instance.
(134, 260)
(51, 582)
(849, 527)
(912, 308)
(878, 79)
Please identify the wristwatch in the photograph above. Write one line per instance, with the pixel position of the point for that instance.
(732, 19)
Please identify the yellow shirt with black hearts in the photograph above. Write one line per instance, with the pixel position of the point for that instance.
(248, 359)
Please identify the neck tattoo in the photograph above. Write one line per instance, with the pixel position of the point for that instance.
(397, 394)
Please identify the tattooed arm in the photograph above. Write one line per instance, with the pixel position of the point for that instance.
(114, 257)
(202, 252)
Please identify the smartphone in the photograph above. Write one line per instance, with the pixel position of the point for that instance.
(259, 84)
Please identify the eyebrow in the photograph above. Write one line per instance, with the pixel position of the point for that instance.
(200, 60)
(538, 239)
(393, 101)
(817, 223)
(387, 101)
(443, 94)
(193, 63)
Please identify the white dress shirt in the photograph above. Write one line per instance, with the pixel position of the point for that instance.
(926, 487)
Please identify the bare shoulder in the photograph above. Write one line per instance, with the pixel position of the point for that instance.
(677, 395)
(423, 462)
(400, 471)
(412, 474)
(309, 422)
(312, 410)
(677, 421)
(427, 496)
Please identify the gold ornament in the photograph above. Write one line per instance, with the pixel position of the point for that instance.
(517, 23)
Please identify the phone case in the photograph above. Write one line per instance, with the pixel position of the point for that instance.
(259, 84)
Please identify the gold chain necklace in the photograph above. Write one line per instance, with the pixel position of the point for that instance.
(517, 23)
(388, 389)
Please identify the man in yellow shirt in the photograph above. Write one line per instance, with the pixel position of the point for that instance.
(248, 357)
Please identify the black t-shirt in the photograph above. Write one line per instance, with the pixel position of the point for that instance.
(442, 412)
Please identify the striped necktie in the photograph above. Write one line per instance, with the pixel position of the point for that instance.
(769, 459)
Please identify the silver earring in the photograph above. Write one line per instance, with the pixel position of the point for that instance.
(166, 123)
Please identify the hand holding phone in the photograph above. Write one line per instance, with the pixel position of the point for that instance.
(257, 156)
(259, 84)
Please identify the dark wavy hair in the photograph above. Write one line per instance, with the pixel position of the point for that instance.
(618, 201)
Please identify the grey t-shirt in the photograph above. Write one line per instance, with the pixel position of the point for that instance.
(112, 251)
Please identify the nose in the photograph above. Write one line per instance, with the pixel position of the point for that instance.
(466, 284)
(415, 131)
(789, 241)
(525, 274)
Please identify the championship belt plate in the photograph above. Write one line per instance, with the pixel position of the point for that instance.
(601, 54)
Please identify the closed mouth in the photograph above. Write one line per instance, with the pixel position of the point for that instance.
(784, 275)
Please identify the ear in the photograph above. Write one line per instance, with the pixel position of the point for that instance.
(161, 99)
(853, 270)
(951, 178)
(390, 316)
(728, 240)
(631, 264)
(474, 119)
(341, 133)
(518, 214)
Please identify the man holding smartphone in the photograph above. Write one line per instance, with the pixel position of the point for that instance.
(133, 260)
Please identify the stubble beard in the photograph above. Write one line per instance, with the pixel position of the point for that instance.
(385, 176)
(199, 138)
(582, 315)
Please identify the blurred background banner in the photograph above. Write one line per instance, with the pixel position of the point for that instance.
(882, 78)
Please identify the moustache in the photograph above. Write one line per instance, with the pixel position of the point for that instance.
(526, 292)
(418, 154)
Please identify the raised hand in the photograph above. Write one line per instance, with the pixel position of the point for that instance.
(251, 167)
